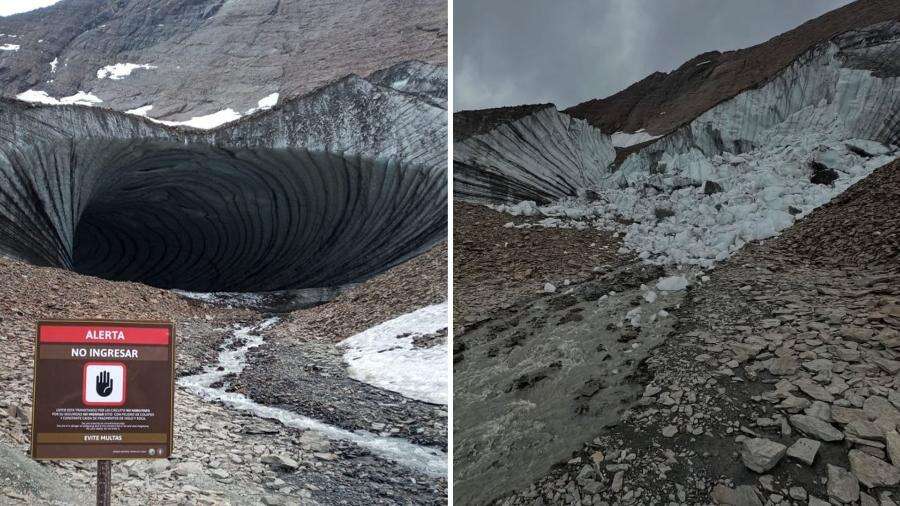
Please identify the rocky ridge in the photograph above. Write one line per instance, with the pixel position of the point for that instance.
(197, 58)
(663, 102)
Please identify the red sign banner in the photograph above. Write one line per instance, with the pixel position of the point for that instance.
(103, 390)
(103, 334)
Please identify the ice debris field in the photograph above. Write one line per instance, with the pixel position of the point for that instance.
(708, 208)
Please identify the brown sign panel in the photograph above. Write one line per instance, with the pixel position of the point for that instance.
(103, 390)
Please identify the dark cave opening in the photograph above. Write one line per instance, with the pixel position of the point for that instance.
(202, 218)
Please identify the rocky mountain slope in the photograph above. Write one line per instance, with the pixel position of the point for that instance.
(192, 59)
(662, 102)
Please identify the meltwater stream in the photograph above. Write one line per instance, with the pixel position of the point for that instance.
(232, 361)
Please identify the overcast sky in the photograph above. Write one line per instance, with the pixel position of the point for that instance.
(509, 52)
(8, 7)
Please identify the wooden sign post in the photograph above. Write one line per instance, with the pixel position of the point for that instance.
(103, 390)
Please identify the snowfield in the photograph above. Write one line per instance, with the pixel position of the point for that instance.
(121, 70)
(140, 111)
(625, 139)
(41, 97)
(264, 103)
(207, 122)
(384, 356)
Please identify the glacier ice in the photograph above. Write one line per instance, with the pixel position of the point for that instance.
(739, 172)
(542, 157)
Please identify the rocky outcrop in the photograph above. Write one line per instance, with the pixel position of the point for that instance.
(290, 198)
(204, 56)
(662, 102)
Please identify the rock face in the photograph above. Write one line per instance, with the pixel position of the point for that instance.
(289, 198)
(195, 58)
(711, 78)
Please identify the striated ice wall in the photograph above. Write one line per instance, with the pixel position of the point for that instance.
(542, 157)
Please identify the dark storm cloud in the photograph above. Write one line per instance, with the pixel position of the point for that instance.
(509, 52)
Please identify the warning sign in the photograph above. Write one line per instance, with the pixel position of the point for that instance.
(103, 390)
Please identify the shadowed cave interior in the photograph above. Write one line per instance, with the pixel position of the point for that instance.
(202, 218)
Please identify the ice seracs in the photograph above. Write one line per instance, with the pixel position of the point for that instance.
(541, 157)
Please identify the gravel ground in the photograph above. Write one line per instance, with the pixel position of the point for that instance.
(496, 266)
(400, 290)
(791, 344)
(310, 377)
(221, 456)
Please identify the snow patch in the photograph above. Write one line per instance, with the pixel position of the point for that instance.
(121, 70)
(384, 356)
(53, 65)
(9, 47)
(625, 139)
(140, 111)
(264, 103)
(207, 122)
(41, 97)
